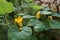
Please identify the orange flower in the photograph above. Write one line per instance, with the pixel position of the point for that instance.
(19, 21)
(38, 14)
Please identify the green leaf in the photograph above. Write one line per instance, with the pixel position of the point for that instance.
(39, 27)
(15, 34)
(45, 13)
(6, 7)
(46, 9)
(56, 14)
(28, 16)
(21, 14)
(54, 24)
(33, 22)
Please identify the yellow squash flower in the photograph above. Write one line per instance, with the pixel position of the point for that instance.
(19, 21)
(38, 14)
(20, 28)
(50, 17)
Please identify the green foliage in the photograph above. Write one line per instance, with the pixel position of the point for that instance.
(33, 22)
(46, 9)
(15, 34)
(32, 28)
(45, 13)
(39, 27)
(56, 15)
(3, 32)
(28, 16)
(6, 7)
(54, 24)
(36, 7)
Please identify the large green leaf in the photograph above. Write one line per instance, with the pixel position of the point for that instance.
(28, 16)
(45, 13)
(56, 14)
(15, 34)
(6, 7)
(33, 22)
(21, 14)
(46, 9)
(54, 24)
(39, 27)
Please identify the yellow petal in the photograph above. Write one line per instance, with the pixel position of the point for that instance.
(50, 17)
(20, 28)
(18, 20)
(15, 19)
(38, 14)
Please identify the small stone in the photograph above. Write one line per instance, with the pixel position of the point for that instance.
(43, 1)
(53, 8)
(58, 2)
(59, 9)
(47, 1)
(45, 5)
(37, 2)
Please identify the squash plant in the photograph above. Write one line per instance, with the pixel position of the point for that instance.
(5, 9)
(35, 20)
(31, 21)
